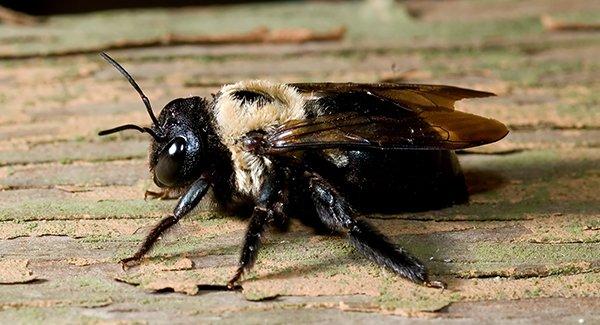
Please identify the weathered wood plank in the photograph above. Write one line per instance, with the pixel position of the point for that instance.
(525, 249)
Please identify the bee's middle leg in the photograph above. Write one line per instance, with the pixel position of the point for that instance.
(261, 217)
(270, 203)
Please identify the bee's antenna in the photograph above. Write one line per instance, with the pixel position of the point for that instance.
(135, 86)
(157, 137)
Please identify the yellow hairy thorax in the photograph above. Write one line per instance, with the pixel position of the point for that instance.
(235, 118)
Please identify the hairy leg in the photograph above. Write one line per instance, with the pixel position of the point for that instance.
(187, 202)
(261, 218)
(269, 206)
(149, 241)
(337, 214)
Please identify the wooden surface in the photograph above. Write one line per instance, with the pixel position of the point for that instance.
(526, 249)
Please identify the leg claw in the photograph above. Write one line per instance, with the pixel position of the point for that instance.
(162, 195)
(436, 284)
(231, 285)
(129, 262)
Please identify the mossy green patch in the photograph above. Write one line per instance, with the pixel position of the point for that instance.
(533, 293)
(460, 251)
(44, 209)
(508, 210)
(189, 245)
(305, 249)
(420, 299)
(29, 315)
(539, 253)
(94, 283)
(579, 17)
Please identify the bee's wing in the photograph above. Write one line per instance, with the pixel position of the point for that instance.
(414, 96)
(441, 129)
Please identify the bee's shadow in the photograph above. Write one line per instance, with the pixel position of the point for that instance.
(480, 181)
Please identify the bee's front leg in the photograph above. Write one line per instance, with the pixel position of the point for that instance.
(187, 202)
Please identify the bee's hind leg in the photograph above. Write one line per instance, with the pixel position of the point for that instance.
(337, 214)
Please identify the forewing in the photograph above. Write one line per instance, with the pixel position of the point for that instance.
(450, 130)
(411, 96)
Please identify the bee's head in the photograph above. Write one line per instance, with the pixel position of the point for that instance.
(177, 157)
(178, 136)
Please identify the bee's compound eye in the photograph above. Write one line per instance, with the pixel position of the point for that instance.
(170, 163)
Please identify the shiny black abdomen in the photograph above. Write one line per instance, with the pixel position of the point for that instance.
(396, 181)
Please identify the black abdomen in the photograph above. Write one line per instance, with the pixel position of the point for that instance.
(396, 181)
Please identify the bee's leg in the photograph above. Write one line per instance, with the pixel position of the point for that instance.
(261, 218)
(271, 199)
(149, 241)
(187, 202)
(337, 214)
(164, 194)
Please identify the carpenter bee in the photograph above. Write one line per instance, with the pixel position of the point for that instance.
(319, 152)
